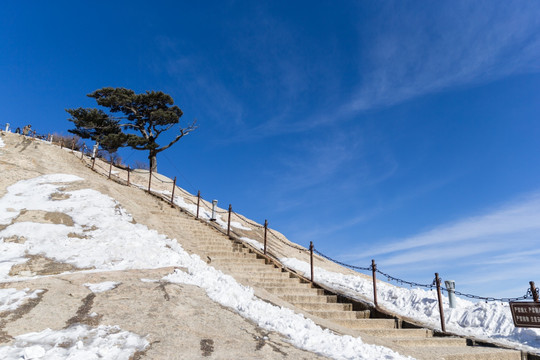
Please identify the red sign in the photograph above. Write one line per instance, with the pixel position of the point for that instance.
(526, 314)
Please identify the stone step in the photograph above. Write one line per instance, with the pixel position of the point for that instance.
(222, 247)
(211, 240)
(272, 281)
(315, 299)
(296, 290)
(399, 332)
(238, 260)
(214, 237)
(368, 323)
(274, 284)
(224, 251)
(231, 254)
(431, 341)
(249, 268)
(270, 275)
(320, 306)
(205, 238)
(475, 353)
(341, 315)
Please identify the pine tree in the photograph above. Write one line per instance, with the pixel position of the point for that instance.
(142, 118)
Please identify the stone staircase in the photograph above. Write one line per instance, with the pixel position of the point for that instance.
(251, 268)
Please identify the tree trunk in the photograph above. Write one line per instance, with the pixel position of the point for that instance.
(152, 160)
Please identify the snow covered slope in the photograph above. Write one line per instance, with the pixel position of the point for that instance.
(61, 220)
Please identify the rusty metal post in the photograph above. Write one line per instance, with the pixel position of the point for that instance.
(311, 258)
(173, 187)
(374, 272)
(110, 169)
(229, 222)
(265, 231)
(439, 295)
(198, 203)
(149, 179)
(534, 292)
(128, 175)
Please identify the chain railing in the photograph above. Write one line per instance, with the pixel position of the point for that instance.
(277, 238)
(271, 248)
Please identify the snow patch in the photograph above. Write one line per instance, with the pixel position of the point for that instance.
(106, 239)
(488, 321)
(301, 332)
(11, 299)
(204, 213)
(102, 286)
(256, 244)
(102, 236)
(75, 342)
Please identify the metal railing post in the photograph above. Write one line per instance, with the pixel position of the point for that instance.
(265, 231)
(534, 292)
(374, 271)
(229, 222)
(173, 188)
(198, 203)
(439, 295)
(149, 179)
(311, 258)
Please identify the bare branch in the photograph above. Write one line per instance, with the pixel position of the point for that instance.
(183, 132)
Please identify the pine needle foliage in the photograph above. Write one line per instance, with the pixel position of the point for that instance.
(132, 120)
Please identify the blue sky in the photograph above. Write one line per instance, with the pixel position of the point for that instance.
(401, 131)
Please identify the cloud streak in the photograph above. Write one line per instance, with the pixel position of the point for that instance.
(416, 51)
(520, 220)
(499, 247)
(451, 44)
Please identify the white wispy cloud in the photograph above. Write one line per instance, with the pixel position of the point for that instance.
(519, 220)
(409, 51)
(494, 254)
(432, 47)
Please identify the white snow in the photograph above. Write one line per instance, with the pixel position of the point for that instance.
(104, 237)
(301, 332)
(75, 342)
(113, 242)
(256, 244)
(11, 299)
(2, 143)
(482, 320)
(204, 213)
(102, 286)
(107, 240)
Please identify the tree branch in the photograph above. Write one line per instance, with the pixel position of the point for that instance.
(183, 132)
